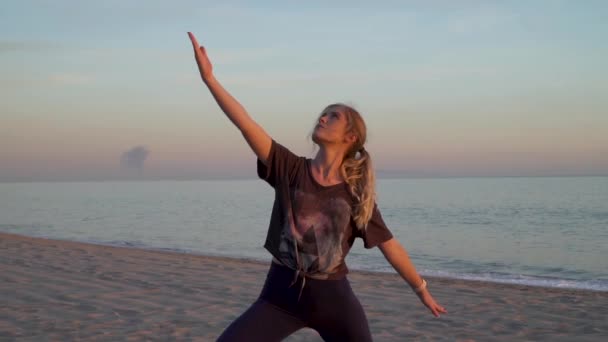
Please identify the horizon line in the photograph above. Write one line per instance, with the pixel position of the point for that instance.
(243, 178)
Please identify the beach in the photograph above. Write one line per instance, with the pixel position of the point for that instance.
(68, 291)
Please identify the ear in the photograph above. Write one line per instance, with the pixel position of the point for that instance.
(350, 138)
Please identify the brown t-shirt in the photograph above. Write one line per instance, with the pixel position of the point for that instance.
(311, 227)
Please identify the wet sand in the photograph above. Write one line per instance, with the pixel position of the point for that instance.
(68, 291)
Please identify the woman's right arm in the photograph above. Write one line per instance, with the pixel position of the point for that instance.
(254, 134)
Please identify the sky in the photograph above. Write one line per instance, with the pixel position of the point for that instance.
(108, 90)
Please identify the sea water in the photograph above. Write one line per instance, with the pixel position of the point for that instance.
(546, 231)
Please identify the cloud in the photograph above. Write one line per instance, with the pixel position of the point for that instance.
(21, 81)
(70, 79)
(279, 79)
(8, 46)
(134, 158)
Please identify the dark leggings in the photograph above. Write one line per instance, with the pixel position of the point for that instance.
(327, 306)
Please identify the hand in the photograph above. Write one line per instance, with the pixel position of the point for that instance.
(202, 60)
(427, 299)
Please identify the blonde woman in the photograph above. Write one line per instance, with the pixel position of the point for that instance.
(321, 205)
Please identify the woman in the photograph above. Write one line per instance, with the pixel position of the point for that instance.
(321, 205)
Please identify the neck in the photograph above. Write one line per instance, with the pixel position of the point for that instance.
(326, 165)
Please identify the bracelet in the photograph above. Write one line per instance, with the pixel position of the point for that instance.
(421, 287)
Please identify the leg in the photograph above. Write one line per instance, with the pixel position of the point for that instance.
(262, 322)
(352, 326)
(341, 318)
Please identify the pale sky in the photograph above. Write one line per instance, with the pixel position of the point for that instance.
(97, 90)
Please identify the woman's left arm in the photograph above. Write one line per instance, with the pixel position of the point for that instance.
(398, 258)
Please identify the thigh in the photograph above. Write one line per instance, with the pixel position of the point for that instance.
(262, 322)
(280, 290)
(342, 318)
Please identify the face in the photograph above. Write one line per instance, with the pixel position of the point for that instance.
(332, 128)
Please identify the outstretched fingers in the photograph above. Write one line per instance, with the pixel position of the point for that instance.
(195, 44)
(436, 309)
(200, 54)
(432, 305)
(197, 47)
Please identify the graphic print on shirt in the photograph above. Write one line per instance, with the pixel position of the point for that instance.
(313, 232)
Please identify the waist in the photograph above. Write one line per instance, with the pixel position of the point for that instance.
(289, 290)
(276, 261)
(302, 274)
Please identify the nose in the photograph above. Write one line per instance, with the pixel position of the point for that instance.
(323, 119)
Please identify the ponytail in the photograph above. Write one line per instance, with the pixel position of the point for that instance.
(358, 173)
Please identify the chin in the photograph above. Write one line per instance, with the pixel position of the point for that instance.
(319, 139)
(315, 136)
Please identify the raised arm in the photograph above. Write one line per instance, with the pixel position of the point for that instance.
(254, 134)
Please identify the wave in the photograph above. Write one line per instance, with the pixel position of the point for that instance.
(515, 279)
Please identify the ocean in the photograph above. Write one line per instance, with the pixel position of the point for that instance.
(539, 231)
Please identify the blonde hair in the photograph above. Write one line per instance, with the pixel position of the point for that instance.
(356, 169)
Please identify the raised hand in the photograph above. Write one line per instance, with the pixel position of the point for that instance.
(202, 60)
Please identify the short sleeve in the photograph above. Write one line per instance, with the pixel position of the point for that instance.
(281, 164)
(376, 231)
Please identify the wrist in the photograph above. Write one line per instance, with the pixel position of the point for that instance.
(421, 287)
(208, 79)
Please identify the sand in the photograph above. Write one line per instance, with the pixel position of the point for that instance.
(55, 290)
